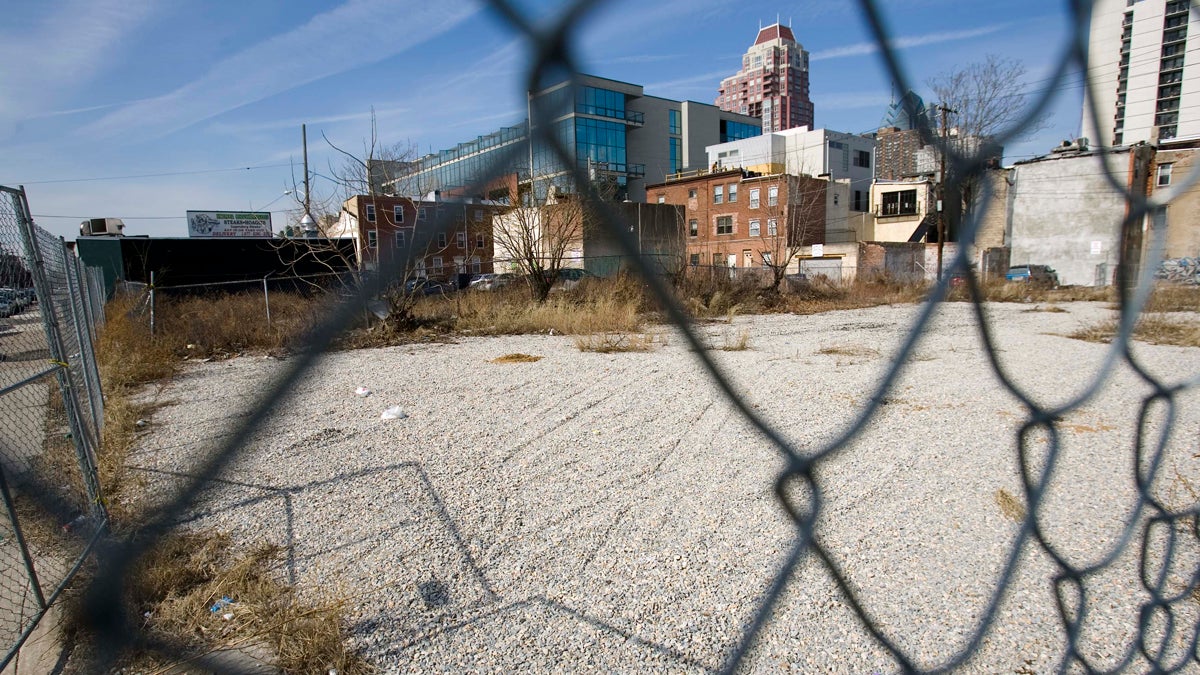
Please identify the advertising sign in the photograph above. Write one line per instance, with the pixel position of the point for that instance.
(228, 224)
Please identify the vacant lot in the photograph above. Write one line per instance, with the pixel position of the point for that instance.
(614, 511)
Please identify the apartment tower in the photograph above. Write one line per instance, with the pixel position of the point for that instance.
(773, 82)
(1142, 75)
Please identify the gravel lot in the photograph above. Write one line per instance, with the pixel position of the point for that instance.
(614, 511)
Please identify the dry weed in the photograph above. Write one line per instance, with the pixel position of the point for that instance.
(1055, 309)
(608, 343)
(738, 343)
(516, 358)
(192, 590)
(1158, 330)
(848, 350)
(1010, 506)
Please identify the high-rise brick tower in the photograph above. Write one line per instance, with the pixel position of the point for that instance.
(773, 82)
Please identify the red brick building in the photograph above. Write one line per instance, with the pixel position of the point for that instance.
(439, 237)
(736, 218)
(772, 83)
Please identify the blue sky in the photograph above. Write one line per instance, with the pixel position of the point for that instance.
(144, 109)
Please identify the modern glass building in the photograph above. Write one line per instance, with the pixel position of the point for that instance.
(609, 129)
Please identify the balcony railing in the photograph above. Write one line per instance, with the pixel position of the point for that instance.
(899, 211)
(630, 117)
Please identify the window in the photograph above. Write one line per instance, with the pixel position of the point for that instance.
(460, 239)
(862, 158)
(718, 194)
(674, 122)
(724, 224)
(718, 260)
(442, 240)
(372, 238)
(400, 239)
(478, 215)
(754, 198)
(694, 260)
(476, 268)
(370, 213)
(480, 240)
(902, 203)
(773, 195)
(692, 193)
(693, 228)
(1164, 175)
(860, 203)
(732, 193)
(772, 228)
(422, 213)
(398, 213)
(662, 199)
(437, 264)
(766, 258)
(754, 228)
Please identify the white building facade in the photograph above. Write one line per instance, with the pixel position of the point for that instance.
(1141, 73)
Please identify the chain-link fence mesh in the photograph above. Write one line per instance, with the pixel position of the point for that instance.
(1161, 536)
(50, 417)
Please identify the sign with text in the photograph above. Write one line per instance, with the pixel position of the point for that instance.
(228, 224)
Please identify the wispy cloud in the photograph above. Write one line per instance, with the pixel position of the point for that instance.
(383, 112)
(908, 42)
(67, 46)
(315, 50)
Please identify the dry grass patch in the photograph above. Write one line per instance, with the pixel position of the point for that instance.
(848, 350)
(512, 312)
(516, 358)
(736, 343)
(1157, 330)
(609, 343)
(175, 588)
(1053, 309)
(184, 575)
(1172, 298)
(1010, 506)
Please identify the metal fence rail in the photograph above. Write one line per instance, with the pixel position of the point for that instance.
(798, 488)
(51, 415)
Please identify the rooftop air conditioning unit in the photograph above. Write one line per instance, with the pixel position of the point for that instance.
(100, 227)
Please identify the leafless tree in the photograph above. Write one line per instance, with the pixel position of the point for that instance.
(987, 99)
(978, 104)
(535, 238)
(792, 218)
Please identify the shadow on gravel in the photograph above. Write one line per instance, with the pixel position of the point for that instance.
(287, 498)
(503, 613)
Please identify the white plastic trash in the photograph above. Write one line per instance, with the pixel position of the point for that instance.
(393, 413)
(362, 392)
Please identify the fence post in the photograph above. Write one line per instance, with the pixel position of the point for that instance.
(37, 268)
(267, 300)
(152, 302)
(83, 333)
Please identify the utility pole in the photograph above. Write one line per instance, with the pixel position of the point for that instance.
(941, 202)
(304, 139)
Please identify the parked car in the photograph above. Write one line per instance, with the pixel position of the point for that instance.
(1039, 275)
(13, 298)
(426, 286)
(6, 309)
(569, 278)
(478, 281)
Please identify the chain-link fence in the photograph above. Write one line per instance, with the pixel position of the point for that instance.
(52, 363)
(51, 416)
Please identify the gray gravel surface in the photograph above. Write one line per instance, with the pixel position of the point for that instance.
(614, 512)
